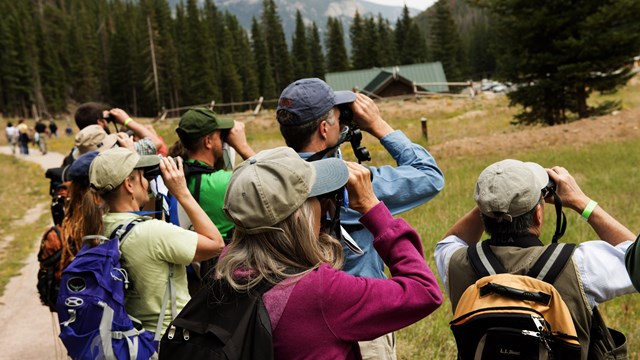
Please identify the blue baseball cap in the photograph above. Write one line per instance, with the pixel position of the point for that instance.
(79, 169)
(309, 99)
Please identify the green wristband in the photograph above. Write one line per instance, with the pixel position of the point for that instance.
(126, 122)
(588, 210)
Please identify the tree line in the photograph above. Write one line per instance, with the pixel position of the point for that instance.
(144, 55)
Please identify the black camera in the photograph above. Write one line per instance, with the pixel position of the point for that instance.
(151, 172)
(353, 135)
(109, 118)
(550, 189)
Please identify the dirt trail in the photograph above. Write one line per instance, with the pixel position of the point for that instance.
(29, 330)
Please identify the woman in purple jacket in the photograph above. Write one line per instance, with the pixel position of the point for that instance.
(278, 203)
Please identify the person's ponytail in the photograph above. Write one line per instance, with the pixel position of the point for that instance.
(92, 213)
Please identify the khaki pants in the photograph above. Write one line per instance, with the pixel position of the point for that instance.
(383, 347)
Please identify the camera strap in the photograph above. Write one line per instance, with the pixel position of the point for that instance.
(321, 154)
(561, 219)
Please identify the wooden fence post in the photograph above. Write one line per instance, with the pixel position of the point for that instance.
(425, 130)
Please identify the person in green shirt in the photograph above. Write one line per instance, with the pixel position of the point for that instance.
(202, 135)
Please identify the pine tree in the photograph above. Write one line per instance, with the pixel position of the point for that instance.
(316, 57)
(559, 53)
(83, 75)
(51, 67)
(359, 44)
(410, 43)
(276, 45)
(243, 57)
(200, 80)
(300, 50)
(266, 84)
(159, 17)
(337, 59)
(386, 43)
(372, 38)
(230, 80)
(445, 41)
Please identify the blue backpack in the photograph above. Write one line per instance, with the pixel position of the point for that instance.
(93, 321)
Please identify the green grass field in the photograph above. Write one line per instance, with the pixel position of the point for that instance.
(22, 186)
(607, 172)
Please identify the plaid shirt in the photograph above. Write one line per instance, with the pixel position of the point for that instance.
(145, 146)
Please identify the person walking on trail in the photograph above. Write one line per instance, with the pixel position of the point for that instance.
(277, 201)
(53, 128)
(510, 197)
(23, 137)
(309, 114)
(152, 246)
(41, 134)
(11, 133)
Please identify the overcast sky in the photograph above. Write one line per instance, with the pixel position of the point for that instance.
(417, 4)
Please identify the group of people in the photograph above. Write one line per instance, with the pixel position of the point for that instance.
(21, 134)
(317, 227)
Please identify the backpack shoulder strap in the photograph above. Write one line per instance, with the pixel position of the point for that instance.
(551, 262)
(483, 260)
(122, 230)
(196, 169)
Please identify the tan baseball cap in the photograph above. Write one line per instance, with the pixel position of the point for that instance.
(93, 137)
(509, 188)
(269, 186)
(110, 168)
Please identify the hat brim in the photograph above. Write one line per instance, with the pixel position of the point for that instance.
(108, 142)
(331, 175)
(539, 173)
(147, 161)
(344, 97)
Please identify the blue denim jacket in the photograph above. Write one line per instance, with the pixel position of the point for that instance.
(415, 180)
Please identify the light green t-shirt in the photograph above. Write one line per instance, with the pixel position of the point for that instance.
(147, 252)
(212, 189)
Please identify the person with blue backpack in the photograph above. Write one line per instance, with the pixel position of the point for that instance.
(152, 247)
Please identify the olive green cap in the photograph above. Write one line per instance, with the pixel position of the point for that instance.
(200, 121)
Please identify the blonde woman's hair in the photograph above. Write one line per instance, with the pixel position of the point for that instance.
(277, 255)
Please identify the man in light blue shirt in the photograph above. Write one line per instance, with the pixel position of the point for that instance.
(308, 113)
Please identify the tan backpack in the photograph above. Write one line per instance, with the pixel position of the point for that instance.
(507, 316)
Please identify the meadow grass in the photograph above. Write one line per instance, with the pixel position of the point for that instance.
(22, 186)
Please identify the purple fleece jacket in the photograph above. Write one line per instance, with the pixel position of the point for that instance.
(328, 310)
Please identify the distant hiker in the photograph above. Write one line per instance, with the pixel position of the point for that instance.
(510, 197)
(68, 131)
(53, 128)
(41, 136)
(11, 134)
(277, 201)
(153, 246)
(23, 137)
(314, 121)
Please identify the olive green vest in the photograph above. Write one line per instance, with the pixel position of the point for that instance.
(518, 261)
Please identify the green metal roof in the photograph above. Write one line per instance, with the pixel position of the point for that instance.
(373, 78)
